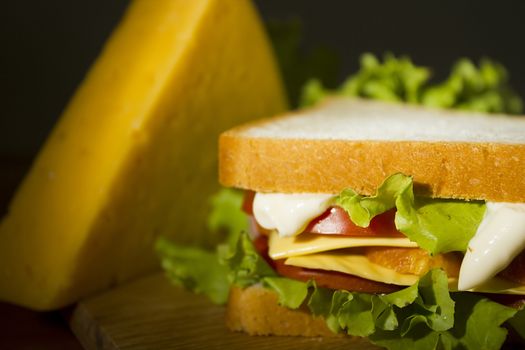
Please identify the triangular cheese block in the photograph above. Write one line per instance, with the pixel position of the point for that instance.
(134, 154)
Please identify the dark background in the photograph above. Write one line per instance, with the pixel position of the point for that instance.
(47, 46)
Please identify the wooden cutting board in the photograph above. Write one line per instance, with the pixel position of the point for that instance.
(150, 313)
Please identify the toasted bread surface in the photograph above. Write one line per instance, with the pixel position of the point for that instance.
(477, 164)
(255, 310)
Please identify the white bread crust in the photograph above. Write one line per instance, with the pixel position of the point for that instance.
(486, 170)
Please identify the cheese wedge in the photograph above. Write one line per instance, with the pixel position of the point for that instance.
(285, 247)
(134, 154)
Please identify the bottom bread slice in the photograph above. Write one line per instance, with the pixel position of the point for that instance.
(255, 310)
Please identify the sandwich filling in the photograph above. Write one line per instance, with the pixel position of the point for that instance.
(381, 267)
(315, 231)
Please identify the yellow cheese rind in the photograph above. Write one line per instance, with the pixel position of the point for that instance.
(134, 154)
(285, 247)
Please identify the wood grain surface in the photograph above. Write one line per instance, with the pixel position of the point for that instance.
(150, 313)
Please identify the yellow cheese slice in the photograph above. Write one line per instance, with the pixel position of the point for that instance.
(284, 247)
(134, 154)
(353, 264)
(359, 265)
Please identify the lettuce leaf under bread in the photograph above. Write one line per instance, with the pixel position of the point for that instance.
(211, 272)
(436, 225)
(200, 270)
(422, 316)
(518, 322)
(195, 269)
(245, 265)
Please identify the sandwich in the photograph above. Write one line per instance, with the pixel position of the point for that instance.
(398, 223)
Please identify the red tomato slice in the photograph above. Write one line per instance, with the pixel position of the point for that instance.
(337, 221)
(261, 245)
(247, 203)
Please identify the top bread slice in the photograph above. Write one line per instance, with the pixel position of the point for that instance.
(357, 143)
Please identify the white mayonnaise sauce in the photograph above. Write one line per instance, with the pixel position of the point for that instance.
(288, 214)
(499, 239)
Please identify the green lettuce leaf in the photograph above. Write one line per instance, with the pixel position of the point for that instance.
(320, 301)
(313, 92)
(483, 89)
(477, 323)
(518, 322)
(291, 293)
(363, 209)
(355, 314)
(396, 80)
(226, 215)
(422, 316)
(437, 225)
(201, 270)
(360, 314)
(195, 269)
(419, 337)
(245, 265)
